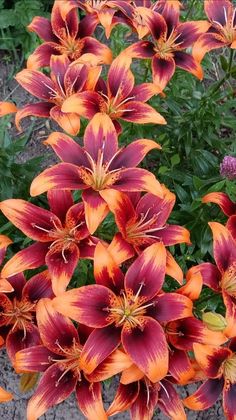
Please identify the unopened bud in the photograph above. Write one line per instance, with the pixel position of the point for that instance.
(213, 321)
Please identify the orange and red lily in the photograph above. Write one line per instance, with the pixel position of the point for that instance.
(103, 11)
(126, 309)
(167, 50)
(218, 364)
(97, 166)
(142, 220)
(61, 234)
(59, 359)
(227, 206)
(65, 79)
(5, 286)
(222, 29)
(118, 97)
(17, 317)
(64, 34)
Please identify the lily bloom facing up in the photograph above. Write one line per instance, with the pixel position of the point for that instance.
(167, 50)
(97, 166)
(65, 79)
(64, 34)
(218, 364)
(118, 97)
(227, 206)
(141, 396)
(126, 309)
(222, 30)
(61, 234)
(58, 358)
(17, 317)
(142, 220)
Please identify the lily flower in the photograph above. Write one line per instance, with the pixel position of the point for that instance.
(65, 79)
(97, 166)
(17, 317)
(227, 206)
(143, 221)
(60, 233)
(7, 108)
(222, 29)
(5, 286)
(218, 364)
(59, 359)
(167, 50)
(126, 309)
(103, 11)
(141, 396)
(65, 35)
(118, 97)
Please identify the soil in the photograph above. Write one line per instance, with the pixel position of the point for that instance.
(9, 380)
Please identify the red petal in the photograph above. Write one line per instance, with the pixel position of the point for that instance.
(64, 20)
(144, 406)
(169, 401)
(100, 344)
(223, 200)
(189, 32)
(35, 222)
(62, 260)
(211, 358)
(120, 78)
(124, 398)
(59, 202)
(133, 154)
(141, 113)
(89, 398)
(7, 108)
(95, 209)
(206, 395)
(70, 122)
(93, 46)
(88, 305)
(157, 206)
(157, 26)
(53, 388)
(76, 77)
(75, 219)
(106, 271)
(56, 331)
(173, 269)
(42, 55)
(87, 104)
(117, 362)
(172, 235)
(58, 66)
(141, 49)
(147, 348)
(144, 92)
(63, 176)
(137, 179)
(224, 246)
(4, 243)
(67, 149)
(120, 250)
(43, 28)
(180, 367)
(100, 137)
(181, 307)
(205, 43)
(147, 270)
(40, 109)
(162, 70)
(218, 12)
(229, 400)
(33, 359)
(38, 287)
(187, 62)
(19, 339)
(35, 83)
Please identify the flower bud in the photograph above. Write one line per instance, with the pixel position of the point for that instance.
(214, 321)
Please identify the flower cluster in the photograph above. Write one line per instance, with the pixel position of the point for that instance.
(128, 322)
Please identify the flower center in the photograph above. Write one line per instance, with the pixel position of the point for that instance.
(229, 369)
(228, 282)
(141, 231)
(228, 30)
(20, 314)
(71, 47)
(98, 176)
(128, 309)
(165, 47)
(71, 360)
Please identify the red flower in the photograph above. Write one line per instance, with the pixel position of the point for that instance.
(17, 317)
(219, 366)
(61, 234)
(65, 79)
(64, 34)
(126, 310)
(58, 358)
(118, 98)
(222, 30)
(99, 165)
(227, 206)
(170, 39)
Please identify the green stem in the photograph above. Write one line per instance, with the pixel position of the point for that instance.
(227, 74)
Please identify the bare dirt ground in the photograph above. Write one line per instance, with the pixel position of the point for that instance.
(68, 410)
